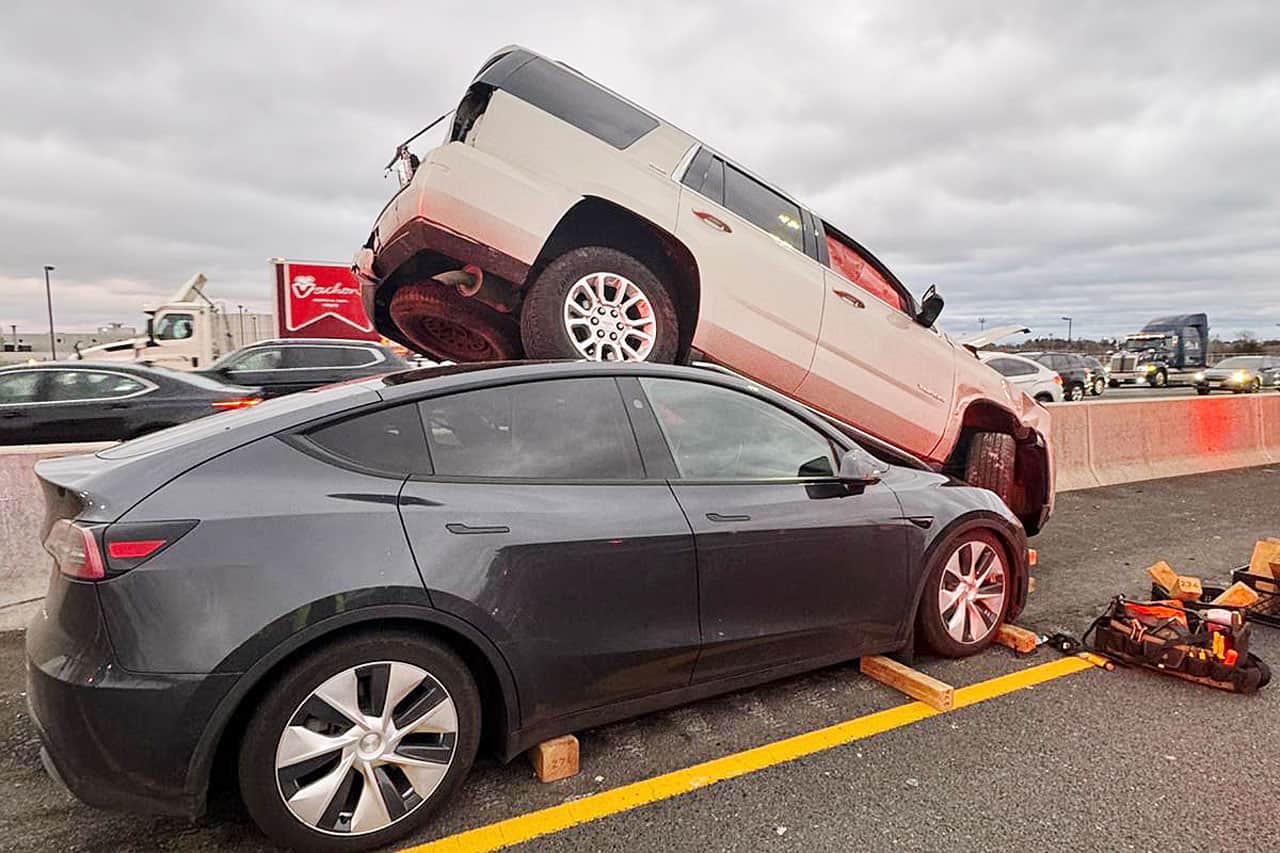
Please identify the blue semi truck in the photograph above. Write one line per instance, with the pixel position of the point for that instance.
(1168, 350)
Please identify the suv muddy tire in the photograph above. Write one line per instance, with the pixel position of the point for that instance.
(599, 304)
(990, 463)
(442, 323)
(966, 593)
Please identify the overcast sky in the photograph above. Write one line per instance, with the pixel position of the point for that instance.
(1106, 161)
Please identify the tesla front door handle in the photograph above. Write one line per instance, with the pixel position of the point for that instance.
(11, 415)
(715, 516)
(467, 529)
(713, 221)
(849, 298)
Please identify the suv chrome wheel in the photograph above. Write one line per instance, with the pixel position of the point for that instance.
(609, 318)
(366, 748)
(971, 597)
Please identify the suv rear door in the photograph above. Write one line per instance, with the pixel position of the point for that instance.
(761, 299)
(875, 366)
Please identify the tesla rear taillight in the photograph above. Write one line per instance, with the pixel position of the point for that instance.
(240, 403)
(75, 550)
(136, 549)
(130, 544)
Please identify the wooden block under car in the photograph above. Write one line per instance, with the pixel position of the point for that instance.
(1265, 561)
(1164, 576)
(1187, 588)
(1020, 640)
(936, 694)
(1239, 594)
(555, 759)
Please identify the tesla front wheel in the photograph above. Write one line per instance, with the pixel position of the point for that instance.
(599, 304)
(966, 594)
(358, 743)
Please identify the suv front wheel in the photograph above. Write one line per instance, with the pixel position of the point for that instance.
(599, 304)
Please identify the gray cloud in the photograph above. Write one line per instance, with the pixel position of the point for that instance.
(1099, 160)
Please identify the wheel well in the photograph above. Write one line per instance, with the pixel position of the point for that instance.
(596, 222)
(494, 711)
(1030, 464)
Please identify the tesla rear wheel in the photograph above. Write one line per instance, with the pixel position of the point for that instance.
(599, 304)
(966, 594)
(358, 743)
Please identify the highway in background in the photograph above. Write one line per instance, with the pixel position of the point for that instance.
(1061, 766)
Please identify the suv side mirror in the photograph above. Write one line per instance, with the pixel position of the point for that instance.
(859, 469)
(930, 307)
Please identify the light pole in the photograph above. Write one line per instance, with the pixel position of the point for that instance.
(48, 298)
(241, 307)
(1068, 319)
(982, 324)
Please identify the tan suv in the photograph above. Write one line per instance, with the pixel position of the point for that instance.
(559, 220)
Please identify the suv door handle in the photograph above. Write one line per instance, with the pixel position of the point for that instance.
(714, 222)
(850, 298)
(465, 529)
(715, 516)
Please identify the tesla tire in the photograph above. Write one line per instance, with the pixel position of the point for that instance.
(358, 743)
(966, 594)
(599, 304)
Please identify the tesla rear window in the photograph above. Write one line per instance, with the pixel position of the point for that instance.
(567, 429)
(389, 440)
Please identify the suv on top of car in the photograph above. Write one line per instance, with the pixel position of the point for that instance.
(286, 365)
(559, 220)
(1077, 376)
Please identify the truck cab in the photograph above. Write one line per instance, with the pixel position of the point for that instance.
(181, 333)
(1167, 350)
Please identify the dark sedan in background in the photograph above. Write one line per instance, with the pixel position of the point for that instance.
(526, 550)
(1240, 374)
(288, 365)
(109, 401)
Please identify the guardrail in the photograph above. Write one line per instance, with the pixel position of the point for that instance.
(1123, 441)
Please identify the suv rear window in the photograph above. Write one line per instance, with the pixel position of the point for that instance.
(584, 104)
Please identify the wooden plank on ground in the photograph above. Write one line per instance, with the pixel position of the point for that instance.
(555, 759)
(1020, 640)
(934, 693)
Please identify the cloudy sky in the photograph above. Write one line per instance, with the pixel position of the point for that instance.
(1106, 161)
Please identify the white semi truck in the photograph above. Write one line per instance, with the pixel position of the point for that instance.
(188, 332)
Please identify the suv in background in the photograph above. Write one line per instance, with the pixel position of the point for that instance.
(1098, 372)
(1077, 376)
(559, 220)
(286, 365)
(1031, 377)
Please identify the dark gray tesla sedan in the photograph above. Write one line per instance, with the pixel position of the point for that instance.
(345, 593)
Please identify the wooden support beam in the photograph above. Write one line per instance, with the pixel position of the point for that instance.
(555, 759)
(904, 679)
(1020, 640)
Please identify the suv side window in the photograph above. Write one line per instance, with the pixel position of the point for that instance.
(562, 429)
(582, 103)
(763, 207)
(262, 358)
(1010, 367)
(705, 176)
(328, 356)
(388, 440)
(720, 434)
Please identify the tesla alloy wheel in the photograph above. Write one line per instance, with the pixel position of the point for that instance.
(355, 746)
(966, 595)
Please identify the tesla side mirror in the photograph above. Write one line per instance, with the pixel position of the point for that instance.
(930, 307)
(860, 469)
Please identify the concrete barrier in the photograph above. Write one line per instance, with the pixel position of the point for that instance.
(1123, 441)
(24, 565)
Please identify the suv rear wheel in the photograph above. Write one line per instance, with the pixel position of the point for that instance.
(448, 326)
(599, 304)
(359, 742)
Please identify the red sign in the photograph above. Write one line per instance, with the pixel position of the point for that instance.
(317, 300)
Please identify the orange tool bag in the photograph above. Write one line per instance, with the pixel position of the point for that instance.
(1209, 647)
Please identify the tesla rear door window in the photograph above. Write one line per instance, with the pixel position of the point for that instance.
(387, 440)
(568, 429)
(719, 434)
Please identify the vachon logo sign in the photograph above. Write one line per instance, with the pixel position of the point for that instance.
(320, 300)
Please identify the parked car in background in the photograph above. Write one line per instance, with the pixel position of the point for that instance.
(108, 401)
(1031, 377)
(559, 220)
(287, 365)
(1077, 376)
(1098, 375)
(1240, 374)
(445, 518)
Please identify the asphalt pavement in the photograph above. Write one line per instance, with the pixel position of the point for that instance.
(1091, 761)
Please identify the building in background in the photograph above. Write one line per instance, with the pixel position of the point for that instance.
(21, 345)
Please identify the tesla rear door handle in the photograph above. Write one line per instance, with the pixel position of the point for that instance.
(713, 221)
(715, 516)
(850, 298)
(465, 529)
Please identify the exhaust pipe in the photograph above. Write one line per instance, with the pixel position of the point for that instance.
(467, 280)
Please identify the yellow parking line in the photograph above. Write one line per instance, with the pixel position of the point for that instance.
(528, 826)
